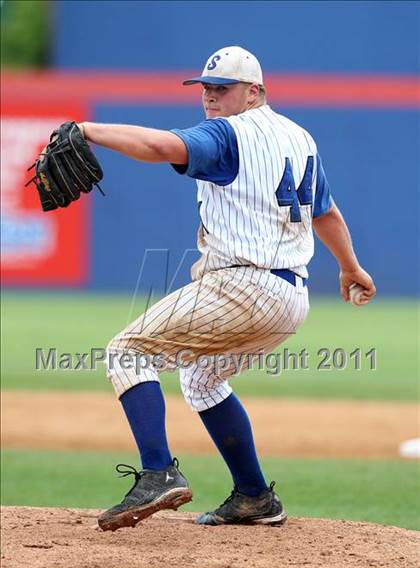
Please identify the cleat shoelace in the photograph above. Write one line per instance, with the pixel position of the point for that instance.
(130, 470)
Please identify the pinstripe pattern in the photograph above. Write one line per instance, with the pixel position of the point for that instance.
(228, 311)
(244, 222)
(233, 311)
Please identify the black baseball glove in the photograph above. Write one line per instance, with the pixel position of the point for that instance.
(66, 168)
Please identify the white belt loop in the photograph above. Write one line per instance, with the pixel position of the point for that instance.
(299, 284)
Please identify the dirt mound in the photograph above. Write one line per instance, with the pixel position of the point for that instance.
(69, 538)
(303, 428)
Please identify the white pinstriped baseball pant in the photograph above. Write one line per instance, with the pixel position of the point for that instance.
(227, 313)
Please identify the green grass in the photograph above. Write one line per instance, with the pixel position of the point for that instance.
(78, 322)
(384, 492)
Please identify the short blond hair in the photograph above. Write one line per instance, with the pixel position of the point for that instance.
(262, 91)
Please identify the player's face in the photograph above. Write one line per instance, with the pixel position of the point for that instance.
(227, 100)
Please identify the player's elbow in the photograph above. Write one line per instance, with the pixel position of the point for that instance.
(168, 148)
(332, 213)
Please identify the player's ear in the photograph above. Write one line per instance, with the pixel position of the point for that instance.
(253, 92)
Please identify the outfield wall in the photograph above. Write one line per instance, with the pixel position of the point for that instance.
(348, 72)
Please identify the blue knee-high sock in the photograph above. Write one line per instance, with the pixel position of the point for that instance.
(144, 407)
(229, 426)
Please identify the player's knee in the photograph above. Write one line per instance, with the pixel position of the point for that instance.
(193, 394)
(126, 368)
(118, 364)
(201, 396)
(187, 387)
(120, 353)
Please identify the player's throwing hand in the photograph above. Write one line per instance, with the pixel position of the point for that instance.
(358, 276)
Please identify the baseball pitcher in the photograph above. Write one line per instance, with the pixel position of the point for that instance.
(262, 190)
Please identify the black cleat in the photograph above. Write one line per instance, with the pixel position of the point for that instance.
(265, 509)
(151, 492)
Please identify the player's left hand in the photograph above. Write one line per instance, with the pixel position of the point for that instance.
(65, 168)
(357, 276)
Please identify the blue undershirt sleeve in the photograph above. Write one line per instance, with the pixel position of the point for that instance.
(323, 198)
(212, 152)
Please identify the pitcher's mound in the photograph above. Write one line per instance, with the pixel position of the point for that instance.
(69, 538)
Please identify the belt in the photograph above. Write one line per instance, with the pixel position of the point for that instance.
(284, 273)
(288, 275)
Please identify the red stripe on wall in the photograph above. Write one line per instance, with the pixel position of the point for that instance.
(307, 90)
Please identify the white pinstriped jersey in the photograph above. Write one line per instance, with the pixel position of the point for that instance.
(243, 223)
